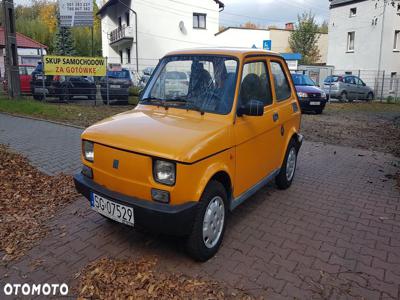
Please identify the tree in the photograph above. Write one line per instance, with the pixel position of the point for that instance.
(250, 25)
(63, 41)
(324, 27)
(304, 39)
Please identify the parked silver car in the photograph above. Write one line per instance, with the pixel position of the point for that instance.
(347, 88)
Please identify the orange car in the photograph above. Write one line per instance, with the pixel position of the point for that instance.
(178, 163)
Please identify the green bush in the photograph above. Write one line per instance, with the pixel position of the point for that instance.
(133, 100)
(134, 91)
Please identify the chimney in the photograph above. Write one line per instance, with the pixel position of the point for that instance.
(289, 26)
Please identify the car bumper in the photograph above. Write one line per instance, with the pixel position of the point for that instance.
(122, 93)
(158, 217)
(310, 104)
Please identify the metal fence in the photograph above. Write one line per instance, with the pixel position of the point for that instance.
(385, 86)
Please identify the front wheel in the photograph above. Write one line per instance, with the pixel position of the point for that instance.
(286, 174)
(209, 225)
(370, 97)
(343, 97)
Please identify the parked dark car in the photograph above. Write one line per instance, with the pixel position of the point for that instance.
(62, 87)
(119, 83)
(347, 88)
(311, 97)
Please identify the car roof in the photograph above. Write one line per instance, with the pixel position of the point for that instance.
(237, 52)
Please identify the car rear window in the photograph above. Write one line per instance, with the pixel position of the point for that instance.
(176, 75)
(118, 74)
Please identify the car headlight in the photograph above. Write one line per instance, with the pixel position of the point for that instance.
(323, 95)
(164, 172)
(88, 150)
(302, 95)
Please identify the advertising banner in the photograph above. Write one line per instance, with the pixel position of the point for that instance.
(74, 65)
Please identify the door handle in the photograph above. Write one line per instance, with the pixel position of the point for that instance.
(275, 117)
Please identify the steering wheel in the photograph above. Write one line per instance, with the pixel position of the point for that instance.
(212, 98)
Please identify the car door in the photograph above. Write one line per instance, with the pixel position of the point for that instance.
(24, 79)
(362, 89)
(286, 106)
(255, 137)
(351, 87)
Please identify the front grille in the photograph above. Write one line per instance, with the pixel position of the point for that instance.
(314, 95)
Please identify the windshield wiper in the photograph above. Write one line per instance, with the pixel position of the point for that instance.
(155, 100)
(194, 106)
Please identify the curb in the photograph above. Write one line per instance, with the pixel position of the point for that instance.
(43, 120)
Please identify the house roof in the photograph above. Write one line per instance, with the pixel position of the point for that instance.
(113, 2)
(336, 3)
(22, 41)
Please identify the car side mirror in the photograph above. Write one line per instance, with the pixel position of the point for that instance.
(253, 108)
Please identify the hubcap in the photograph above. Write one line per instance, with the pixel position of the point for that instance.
(213, 222)
(291, 164)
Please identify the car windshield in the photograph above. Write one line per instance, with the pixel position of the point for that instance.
(300, 79)
(331, 79)
(118, 74)
(194, 82)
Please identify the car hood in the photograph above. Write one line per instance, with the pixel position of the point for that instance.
(179, 136)
(308, 89)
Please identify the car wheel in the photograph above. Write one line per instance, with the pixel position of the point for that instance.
(288, 169)
(343, 97)
(319, 111)
(370, 97)
(209, 224)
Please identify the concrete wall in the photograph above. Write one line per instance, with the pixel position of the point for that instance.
(245, 37)
(367, 38)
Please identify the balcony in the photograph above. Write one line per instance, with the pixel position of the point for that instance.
(121, 34)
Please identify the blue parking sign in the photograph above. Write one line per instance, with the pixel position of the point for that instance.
(267, 45)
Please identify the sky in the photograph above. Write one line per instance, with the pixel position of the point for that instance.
(263, 12)
(271, 12)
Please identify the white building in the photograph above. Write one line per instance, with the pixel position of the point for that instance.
(274, 39)
(356, 41)
(162, 26)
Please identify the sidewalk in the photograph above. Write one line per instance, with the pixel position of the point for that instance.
(335, 232)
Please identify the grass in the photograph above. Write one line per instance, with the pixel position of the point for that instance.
(80, 115)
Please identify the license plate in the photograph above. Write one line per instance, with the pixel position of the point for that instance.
(315, 103)
(115, 86)
(39, 77)
(118, 212)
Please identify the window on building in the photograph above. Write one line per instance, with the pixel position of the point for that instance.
(255, 84)
(393, 79)
(119, 22)
(128, 54)
(350, 41)
(353, 12)
(396, 45)
(199, 21)
(281, 83)
(121, 57)
(127, 19)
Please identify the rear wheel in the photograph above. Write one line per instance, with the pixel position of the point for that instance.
(210, 222)
(38, 97)
(285, 177)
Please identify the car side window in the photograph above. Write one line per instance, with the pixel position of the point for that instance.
(281, 83)
(255, 83)
(349, 80)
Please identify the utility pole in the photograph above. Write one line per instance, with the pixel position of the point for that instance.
(382, 32)
(11, 59)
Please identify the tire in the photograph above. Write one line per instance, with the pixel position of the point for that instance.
(343, 97)
(370, 97)
(319, 111)
(284, 179)
(214, 201)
